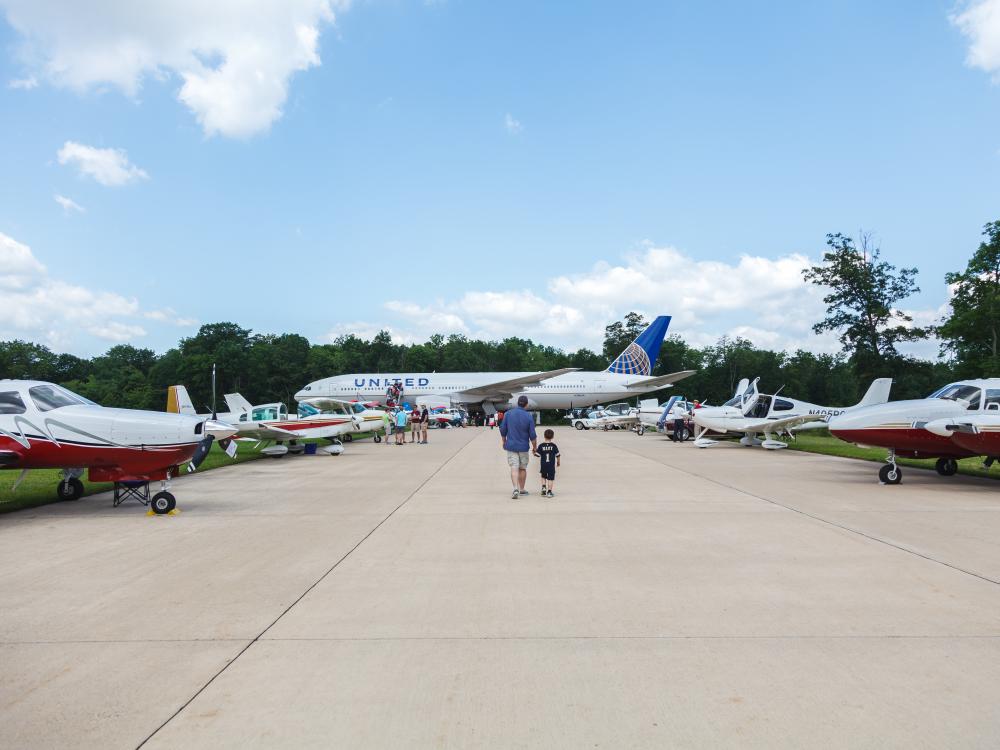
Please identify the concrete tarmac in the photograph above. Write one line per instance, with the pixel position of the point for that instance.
(397, 597)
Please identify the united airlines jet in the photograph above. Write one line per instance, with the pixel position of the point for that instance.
(567, 388)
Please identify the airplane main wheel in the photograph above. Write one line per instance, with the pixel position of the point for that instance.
(946, 467)
(70, 489)
(890, 474)
(640, 430)
(377, 438)
(162, 503)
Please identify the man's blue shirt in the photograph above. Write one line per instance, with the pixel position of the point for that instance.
(519, 428)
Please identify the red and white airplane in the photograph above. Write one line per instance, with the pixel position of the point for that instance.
(45, 426)
(953, 422)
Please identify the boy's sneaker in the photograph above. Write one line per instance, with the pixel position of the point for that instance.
(549, 494)
(522, 492)
(515, 494)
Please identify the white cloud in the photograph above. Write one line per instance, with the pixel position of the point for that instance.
(25, 84)
(108, 166)
(68, 204)
(41, 308)
(116, 331)
(513, 125)
(169, 315)
(761, 299)
(234, 60)
(979, 21)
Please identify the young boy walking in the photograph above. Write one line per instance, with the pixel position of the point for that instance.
(548, 452)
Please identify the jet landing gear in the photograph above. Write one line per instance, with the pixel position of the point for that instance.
(946, 467)
(890, 473)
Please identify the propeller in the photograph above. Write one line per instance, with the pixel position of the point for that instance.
(199, 455)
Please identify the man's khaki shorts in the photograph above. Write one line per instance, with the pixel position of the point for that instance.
(517, 459)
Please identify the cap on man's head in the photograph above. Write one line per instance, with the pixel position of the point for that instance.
(522, 401)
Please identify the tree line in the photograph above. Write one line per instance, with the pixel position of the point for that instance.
(863, 294)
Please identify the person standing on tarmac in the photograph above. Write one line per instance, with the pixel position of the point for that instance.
(517, 429)
(425, 419)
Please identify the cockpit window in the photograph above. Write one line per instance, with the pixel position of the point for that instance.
(781, 404)
(11, 403)
(358, 408)
(48, 397)
(265, 413)
(962, 392)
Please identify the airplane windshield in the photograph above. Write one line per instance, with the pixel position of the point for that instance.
(358, 408)
(48, 397)
(957, 392)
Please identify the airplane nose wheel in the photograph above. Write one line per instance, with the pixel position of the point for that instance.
(70, 489)
(890, 474)
(162, 503)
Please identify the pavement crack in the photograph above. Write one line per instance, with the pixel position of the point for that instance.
(302, 596)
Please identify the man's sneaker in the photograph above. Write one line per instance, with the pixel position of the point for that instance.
(523, 492)
(549, 494)
(514, 495)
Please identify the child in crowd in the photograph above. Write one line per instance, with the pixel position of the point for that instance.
(548, 452)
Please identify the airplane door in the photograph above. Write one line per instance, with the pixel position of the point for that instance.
(750, 398)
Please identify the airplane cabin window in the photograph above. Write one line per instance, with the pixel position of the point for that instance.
(11, 403)
(992, 399)
(49, 397)
(781, 405)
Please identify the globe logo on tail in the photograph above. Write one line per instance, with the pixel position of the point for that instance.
(632, 361)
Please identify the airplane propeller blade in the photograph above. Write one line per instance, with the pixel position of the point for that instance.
(203, 448)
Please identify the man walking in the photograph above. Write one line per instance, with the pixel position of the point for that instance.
(517, 430)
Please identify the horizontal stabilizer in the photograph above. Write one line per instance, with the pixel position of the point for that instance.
(651, 384)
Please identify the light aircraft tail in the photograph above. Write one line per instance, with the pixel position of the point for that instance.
(639, 357)
(179, 402)
(877, 393)
(237, 404)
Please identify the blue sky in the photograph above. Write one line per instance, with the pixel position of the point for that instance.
(487, 168)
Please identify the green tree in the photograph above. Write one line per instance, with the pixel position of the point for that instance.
(862, 300)
(971, 332)
(618, 335)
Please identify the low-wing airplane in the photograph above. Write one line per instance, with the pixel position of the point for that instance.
(630, 374)
(326, 419)
(751, 413)
(953, 422)
(45, 426)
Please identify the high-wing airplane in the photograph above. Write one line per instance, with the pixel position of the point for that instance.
(954, 422)
(45, 426)
(751, 413)
(565, 388)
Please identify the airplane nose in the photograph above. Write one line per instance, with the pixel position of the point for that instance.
(219, 430)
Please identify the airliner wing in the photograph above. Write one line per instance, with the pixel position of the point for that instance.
(648, 384)
(509, 387)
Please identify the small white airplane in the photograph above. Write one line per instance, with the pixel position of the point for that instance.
(750, 413)
(271, 423)
(629, 375)
(45, 426)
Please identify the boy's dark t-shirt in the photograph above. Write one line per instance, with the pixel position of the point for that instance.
(547, 452)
